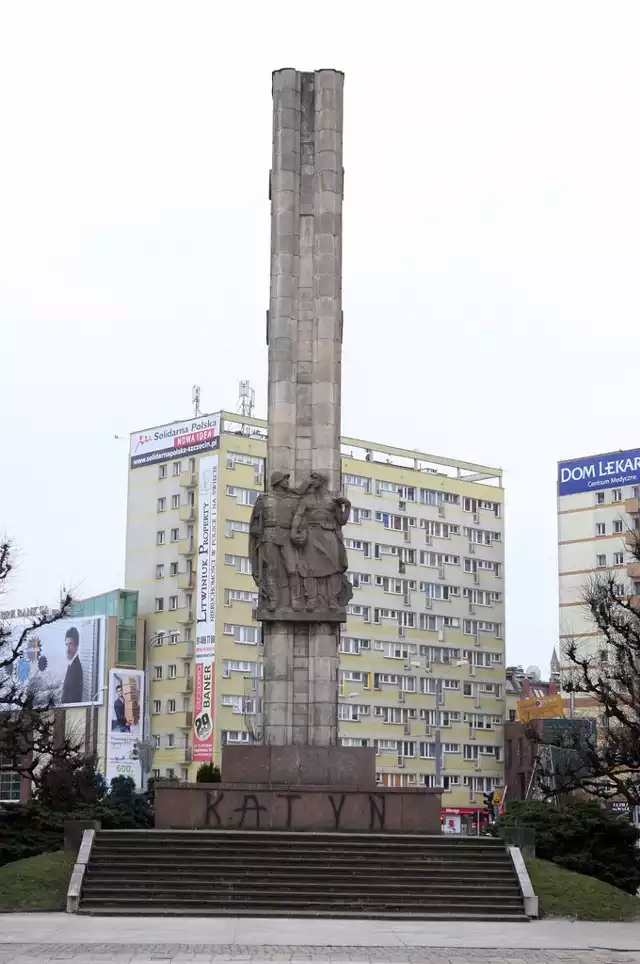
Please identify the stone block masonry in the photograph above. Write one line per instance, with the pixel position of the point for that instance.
(304, 335)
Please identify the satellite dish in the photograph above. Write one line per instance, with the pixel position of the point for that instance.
(533, 674)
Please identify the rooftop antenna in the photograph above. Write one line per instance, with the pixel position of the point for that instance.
(195, 400)
(246, 399)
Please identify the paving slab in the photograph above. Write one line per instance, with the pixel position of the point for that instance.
(44, 938)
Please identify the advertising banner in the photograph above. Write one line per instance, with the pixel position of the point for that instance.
(599, 472)
(203, 722)
(203, 716)
(64, 661)
(191, 437)
(124, 724)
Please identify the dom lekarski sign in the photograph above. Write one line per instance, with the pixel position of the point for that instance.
(599, 472)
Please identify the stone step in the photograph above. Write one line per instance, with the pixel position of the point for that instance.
(124, 909)
(472, 878)
(378, 889)
(229, 902)
(220, 853)
(276, 840)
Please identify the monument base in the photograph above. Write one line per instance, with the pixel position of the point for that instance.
(294, 766)
(333, 809)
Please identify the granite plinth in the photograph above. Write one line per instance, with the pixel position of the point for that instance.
(292, 765)
(332, 809)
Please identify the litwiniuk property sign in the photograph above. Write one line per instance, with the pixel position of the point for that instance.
(599, 472)
(205, 601)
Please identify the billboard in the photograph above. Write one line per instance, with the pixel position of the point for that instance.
(64, 661)
(205, 609)
(190, 437)
(599, 472)
(125, 704)
(540, 708)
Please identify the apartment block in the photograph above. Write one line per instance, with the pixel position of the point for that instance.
(598, 508)
(422, 667)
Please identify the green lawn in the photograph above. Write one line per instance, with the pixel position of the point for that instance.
(565, 894)
(37, 883)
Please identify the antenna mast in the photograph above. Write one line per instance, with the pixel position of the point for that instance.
(246, 399)
(195, 400)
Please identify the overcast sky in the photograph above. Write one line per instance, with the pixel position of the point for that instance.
(492, 235)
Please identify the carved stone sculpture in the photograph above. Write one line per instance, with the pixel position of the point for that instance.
(297, 552)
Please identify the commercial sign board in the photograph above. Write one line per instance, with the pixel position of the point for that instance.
(599, 472)
(62, 662)
(203, 723)
(540, 708)
(190, 437)
(124, 724)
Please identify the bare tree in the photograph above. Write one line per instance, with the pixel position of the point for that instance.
(34, 740)
(602, 760)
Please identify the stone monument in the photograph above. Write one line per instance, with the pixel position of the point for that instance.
(299, 778)
(297, 550)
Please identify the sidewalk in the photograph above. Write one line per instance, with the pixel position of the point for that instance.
(56, 936)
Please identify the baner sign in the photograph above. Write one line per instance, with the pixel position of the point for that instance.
(204, 713)
(599, 472)
(191, 437)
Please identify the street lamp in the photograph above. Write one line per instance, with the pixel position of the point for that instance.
(145, 747)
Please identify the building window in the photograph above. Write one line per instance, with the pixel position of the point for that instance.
(9, 784)
(162, 504)
(171, 706)
(617, 525)
(173, 569)
(601, 561)
(175, 501)
(170, 740)
(173, 602)
(174, 637)
(240, 563)
(157, 706)
(242, 496)
(512, 716)
(160, 572)
(233, 525)
(170, 773)
(616, 495)
(177, 468)
(173, 672)
(618, 558)
(155, 773)
(600, 498)
(159, 604)
(157, 672)
(600, 528)
(175, 535)
(160, 537)
(156, 741)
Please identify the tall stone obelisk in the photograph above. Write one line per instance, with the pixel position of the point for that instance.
(304, 335)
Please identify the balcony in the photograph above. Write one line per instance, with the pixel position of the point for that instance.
(188, 479)
(631, 537)
(187, 754)
(186, 684)
(633, 570)
(186, 513)
(186, 547)
(185, 616)
(632, 506)
(185, 580)
(185, 649)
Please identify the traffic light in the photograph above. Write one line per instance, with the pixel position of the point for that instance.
(488, 802)
(135, 753)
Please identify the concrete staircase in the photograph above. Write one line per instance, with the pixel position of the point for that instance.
(237, 873)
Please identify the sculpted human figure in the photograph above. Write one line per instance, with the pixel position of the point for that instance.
(273, 557)
(322, 557)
